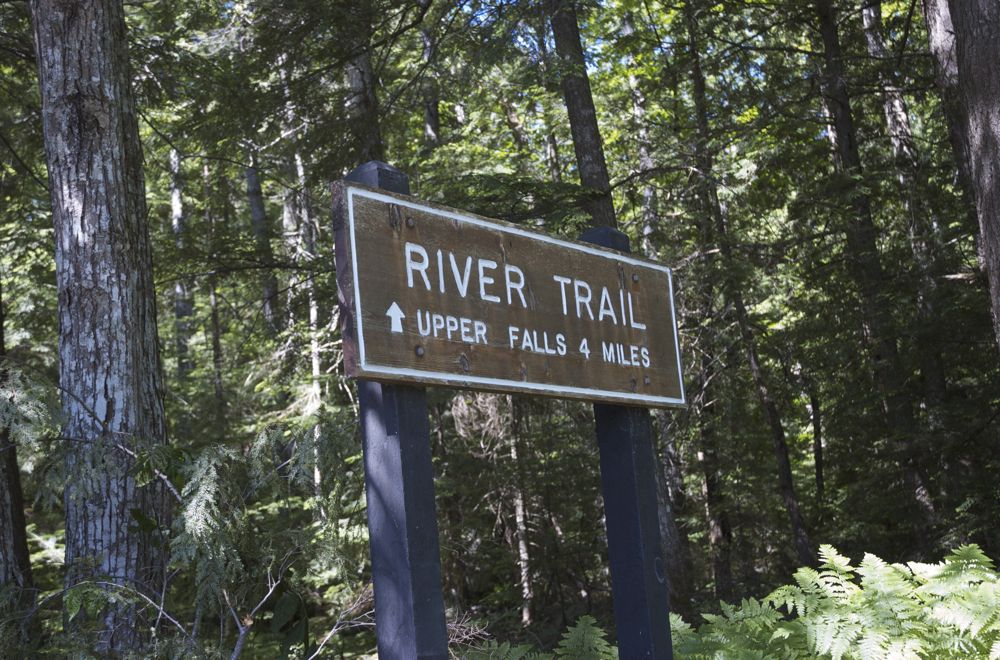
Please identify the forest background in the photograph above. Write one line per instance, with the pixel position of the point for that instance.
(807, 168)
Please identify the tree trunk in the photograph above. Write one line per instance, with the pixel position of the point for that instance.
(922, 225)
(720, 534)
(552, 157)
(262, 243)
(291, 240)
(705, 410)
(520, 514)
(183, 302)
(594, 174)
(15, 563)
(362, 102)
(310, 232)
(941, 38)
(786, 485)
(305, 254)
(582, 115)
(216, 340)
(671, 503)
(650, 213)
(431, 96)
(109, 364)
(363, 105)
(865, 268)
(713, 209)
(215, 327)
(815, 414)
(516, 127)
(814, 408)
(977, 45)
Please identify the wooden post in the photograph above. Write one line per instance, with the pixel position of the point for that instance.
(628, 479)
(399, 485)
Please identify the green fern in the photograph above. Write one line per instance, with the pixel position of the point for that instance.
(585, 641)
(871, 611)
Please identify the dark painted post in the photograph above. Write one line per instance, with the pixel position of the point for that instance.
(628, 479)
(399, 484)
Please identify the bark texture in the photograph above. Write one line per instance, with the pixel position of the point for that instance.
(977, 45)
(582, 114)
(109, 364)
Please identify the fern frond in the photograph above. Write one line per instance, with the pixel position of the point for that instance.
(585, 639)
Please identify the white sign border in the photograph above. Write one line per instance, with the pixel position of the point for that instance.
(502, 382)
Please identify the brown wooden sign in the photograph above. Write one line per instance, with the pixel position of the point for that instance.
(435, 295)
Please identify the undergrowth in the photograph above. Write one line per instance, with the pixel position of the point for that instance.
(839, 611)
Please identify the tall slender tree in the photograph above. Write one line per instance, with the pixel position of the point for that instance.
(713, 209)
(518, 426)
(183, 299)
(214, 328)
(594, 177)
(865, 268)
(670, 486)
(587, 144)
(262, 233)
(720, 528)
(552, 157)
(921, 224)
(430, 93)
(362, 102)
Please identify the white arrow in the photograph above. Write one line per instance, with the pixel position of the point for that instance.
(397, 316)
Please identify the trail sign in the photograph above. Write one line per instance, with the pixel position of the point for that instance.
(462, 281)
(431, 294)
